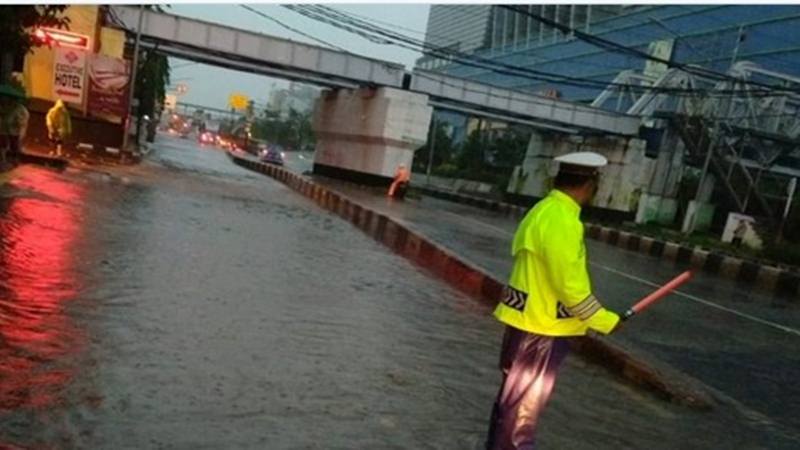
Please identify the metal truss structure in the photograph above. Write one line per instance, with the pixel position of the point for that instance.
(748, 137)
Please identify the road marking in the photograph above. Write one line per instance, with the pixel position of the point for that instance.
(702, 301)
(691, 297)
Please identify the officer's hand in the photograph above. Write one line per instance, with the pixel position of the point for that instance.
(617, 327)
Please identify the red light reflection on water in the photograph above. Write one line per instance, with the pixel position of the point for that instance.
(37, 337)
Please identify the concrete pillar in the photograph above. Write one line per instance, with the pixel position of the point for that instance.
(363, 135)
(658, 203)
(533, 177)
(622, 183)
(699, 214)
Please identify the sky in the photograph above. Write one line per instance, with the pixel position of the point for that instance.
(205, 83)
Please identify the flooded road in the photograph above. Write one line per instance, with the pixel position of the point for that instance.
(189, 303)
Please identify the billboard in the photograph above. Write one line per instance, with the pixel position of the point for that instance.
(69, 75)
(108, 87)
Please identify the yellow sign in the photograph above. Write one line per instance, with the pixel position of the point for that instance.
(238, 101)
(112, 42)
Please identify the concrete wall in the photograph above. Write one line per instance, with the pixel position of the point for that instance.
(369, 131)
(624, 180)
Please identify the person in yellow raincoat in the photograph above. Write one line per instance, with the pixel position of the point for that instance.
(59, 125)
(548, 299)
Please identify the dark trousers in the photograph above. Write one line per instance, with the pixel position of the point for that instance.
(401, 191)
(529, 363)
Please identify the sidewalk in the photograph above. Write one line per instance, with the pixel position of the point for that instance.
(683, 333)
(84, 154)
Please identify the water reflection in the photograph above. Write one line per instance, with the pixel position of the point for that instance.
(38, 224)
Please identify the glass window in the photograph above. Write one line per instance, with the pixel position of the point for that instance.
(563, 18)
(536, 26)
(509, 30)
(497, 32)
(548, 12)
(580, 17)
(522, 27)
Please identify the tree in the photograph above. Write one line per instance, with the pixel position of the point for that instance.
(508, 149)
(152, 78)
(15, 35)
(293, 131)
(442, 150)
(471, 159)
(150, 87)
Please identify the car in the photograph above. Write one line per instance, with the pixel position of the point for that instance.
(185, 130)
(271, 154)
(207, 138)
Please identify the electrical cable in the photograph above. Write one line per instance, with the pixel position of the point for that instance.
(294, 30)
(340, 20)
(619, 48)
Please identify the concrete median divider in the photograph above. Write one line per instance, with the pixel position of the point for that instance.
(659, 378)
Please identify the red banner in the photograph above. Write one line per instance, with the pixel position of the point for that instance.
(108, 87)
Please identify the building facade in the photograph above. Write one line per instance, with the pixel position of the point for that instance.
(86, 67)
(298, 97)
(646, 173)
(712, 36)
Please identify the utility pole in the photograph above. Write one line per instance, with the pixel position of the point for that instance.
(432, 147)
(790, 191)
(132, 83)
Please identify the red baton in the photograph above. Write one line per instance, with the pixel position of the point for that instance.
(659, 293)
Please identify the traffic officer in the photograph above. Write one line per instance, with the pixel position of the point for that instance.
(548, 298)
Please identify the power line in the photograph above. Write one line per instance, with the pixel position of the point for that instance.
(385, 37)
(294, 30)
(361, 16)
(373, 39)
(613, 46)
(358, 27)
(381, 36)
(750, 30)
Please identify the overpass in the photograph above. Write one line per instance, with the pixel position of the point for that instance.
(375, 114)
(249, 51)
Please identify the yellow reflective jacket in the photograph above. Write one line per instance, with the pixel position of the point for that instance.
(58, 121)
(549, 290)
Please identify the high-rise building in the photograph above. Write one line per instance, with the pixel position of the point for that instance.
(298, 97)
(712, 36)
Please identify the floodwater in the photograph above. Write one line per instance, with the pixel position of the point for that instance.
(188, 303)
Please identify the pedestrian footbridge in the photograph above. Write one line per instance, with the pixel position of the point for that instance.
(376, 109)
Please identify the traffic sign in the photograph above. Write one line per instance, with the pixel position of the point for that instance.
(238, 101)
